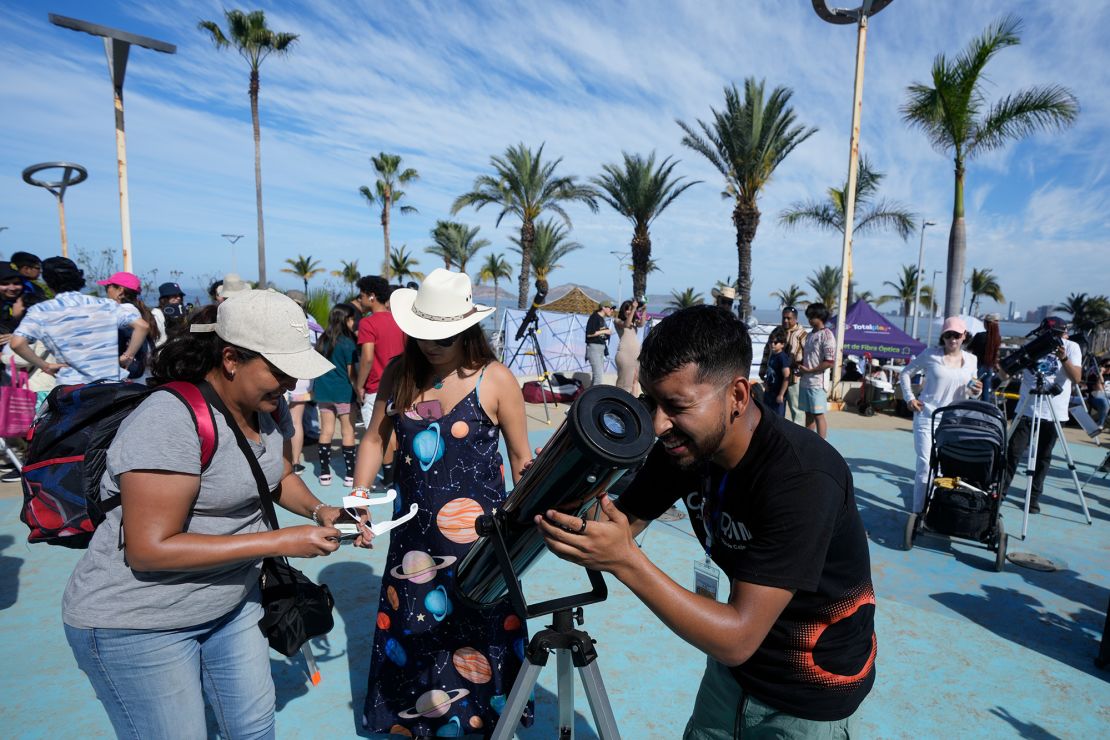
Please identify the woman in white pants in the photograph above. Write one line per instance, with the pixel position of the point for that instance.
(950, 376)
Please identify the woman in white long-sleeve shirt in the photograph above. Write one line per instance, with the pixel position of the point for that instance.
(950, 376)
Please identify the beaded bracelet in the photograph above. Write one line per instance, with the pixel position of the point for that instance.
(315, 512)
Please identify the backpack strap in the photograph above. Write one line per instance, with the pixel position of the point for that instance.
(190, 395)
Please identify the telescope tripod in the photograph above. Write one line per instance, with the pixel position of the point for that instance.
(572, 647)
(1040, 396)
(533, 342)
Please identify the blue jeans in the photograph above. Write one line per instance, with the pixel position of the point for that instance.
(152, 683)
(1100, 407)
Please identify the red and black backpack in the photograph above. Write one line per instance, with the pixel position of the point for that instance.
(69, 449)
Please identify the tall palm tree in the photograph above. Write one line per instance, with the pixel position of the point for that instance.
(551, 244)
(386, 194)
(828, 214)
(640, 191)
(401, 264)
(1086, 311)
(825, 284)
(983, 282)
(455, 243)
(254, 41)
(303, 267)
(685, 299)
(746, 142)
(791, 296)
(525, 186)
(904, 289)
(954, 115)
(348, 273)
(495, 268)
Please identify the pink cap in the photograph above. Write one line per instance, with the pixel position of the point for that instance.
(123, 280)
(953, 323)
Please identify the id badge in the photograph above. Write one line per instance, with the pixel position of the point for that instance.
(707, 578)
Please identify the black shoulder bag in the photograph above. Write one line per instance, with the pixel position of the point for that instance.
(296, 609)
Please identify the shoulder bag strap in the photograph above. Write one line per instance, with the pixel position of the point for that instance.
(264, 494)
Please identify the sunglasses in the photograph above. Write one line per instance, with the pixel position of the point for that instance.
(445, 342)
(951, 335)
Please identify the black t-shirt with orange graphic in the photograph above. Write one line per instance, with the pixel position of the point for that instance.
(784, 517)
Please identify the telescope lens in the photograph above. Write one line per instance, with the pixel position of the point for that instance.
(613, 424)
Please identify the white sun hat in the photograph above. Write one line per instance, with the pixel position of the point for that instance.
(232, 285)
(272, 325)
(441, 308)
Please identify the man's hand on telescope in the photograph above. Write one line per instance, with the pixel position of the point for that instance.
(605, 545)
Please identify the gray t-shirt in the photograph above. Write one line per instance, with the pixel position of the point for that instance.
(103, 592)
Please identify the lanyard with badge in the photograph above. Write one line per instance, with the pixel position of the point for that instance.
(707, 577)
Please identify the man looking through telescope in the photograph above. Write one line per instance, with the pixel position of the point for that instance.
(793, 649)
(1058, 368)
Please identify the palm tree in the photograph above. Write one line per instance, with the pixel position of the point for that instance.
(904, 290)
(254, 41)
(495, 268)
(983, 282)
(1086, 312)
(455, 243)
(640, 191)
(551, 245)
(386, 194)
(791, 296)
(401, 264)
(524, 185)
(303, 267)
(746, 142)
(954, 115)
(825, 284)
(866, 295)
(685, 299)
(348, 273)
(828, 215)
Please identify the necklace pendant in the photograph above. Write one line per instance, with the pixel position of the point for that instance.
(438, 384)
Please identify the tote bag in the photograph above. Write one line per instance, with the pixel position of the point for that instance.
(17, 404)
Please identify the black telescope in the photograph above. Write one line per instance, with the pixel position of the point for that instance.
(606, 433)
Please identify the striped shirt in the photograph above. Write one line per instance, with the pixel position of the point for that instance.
(82, 332)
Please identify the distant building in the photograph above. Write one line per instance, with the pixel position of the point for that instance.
(1038, 314)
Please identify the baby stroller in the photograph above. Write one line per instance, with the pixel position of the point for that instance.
(966, 469)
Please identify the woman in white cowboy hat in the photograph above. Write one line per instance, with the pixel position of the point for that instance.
(724, 296)
(448, 401)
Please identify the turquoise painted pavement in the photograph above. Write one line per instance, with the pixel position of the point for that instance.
(963, 651)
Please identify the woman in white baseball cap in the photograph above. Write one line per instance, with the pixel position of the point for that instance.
(170, 580)
(448, 401)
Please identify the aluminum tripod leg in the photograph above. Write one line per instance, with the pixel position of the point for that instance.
(7, 450)
(602, 711)
(1039, 402)
(1071, 465)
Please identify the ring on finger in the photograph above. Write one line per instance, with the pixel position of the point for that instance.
(582, 529)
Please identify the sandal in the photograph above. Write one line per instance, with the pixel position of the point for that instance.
(325, 479)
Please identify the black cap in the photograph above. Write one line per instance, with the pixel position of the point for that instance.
(25, 259)
(1054, 323)
(60, 267)
(7, 272)
(168, 290)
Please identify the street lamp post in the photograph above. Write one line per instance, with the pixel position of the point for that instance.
(72, 174)
(117, 46)
(917, 277)
(932, 309)
(843, 16)
(232, 239)
(621, 257)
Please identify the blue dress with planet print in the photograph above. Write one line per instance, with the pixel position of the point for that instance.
(438, 667)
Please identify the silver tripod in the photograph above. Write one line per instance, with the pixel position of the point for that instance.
(570, 645)
(1041, 396)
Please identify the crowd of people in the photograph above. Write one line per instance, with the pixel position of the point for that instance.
(414, 368)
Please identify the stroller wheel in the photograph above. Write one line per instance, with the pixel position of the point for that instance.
(869, 411)
(1000, 547)
(911, 532)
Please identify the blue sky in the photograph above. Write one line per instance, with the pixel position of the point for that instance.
(447, 85)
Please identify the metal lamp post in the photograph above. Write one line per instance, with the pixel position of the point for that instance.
(917, 277)
(932, 309)
(117, 46)
(232, 239)
(840, 17)
(621, 257)
(72, 174)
